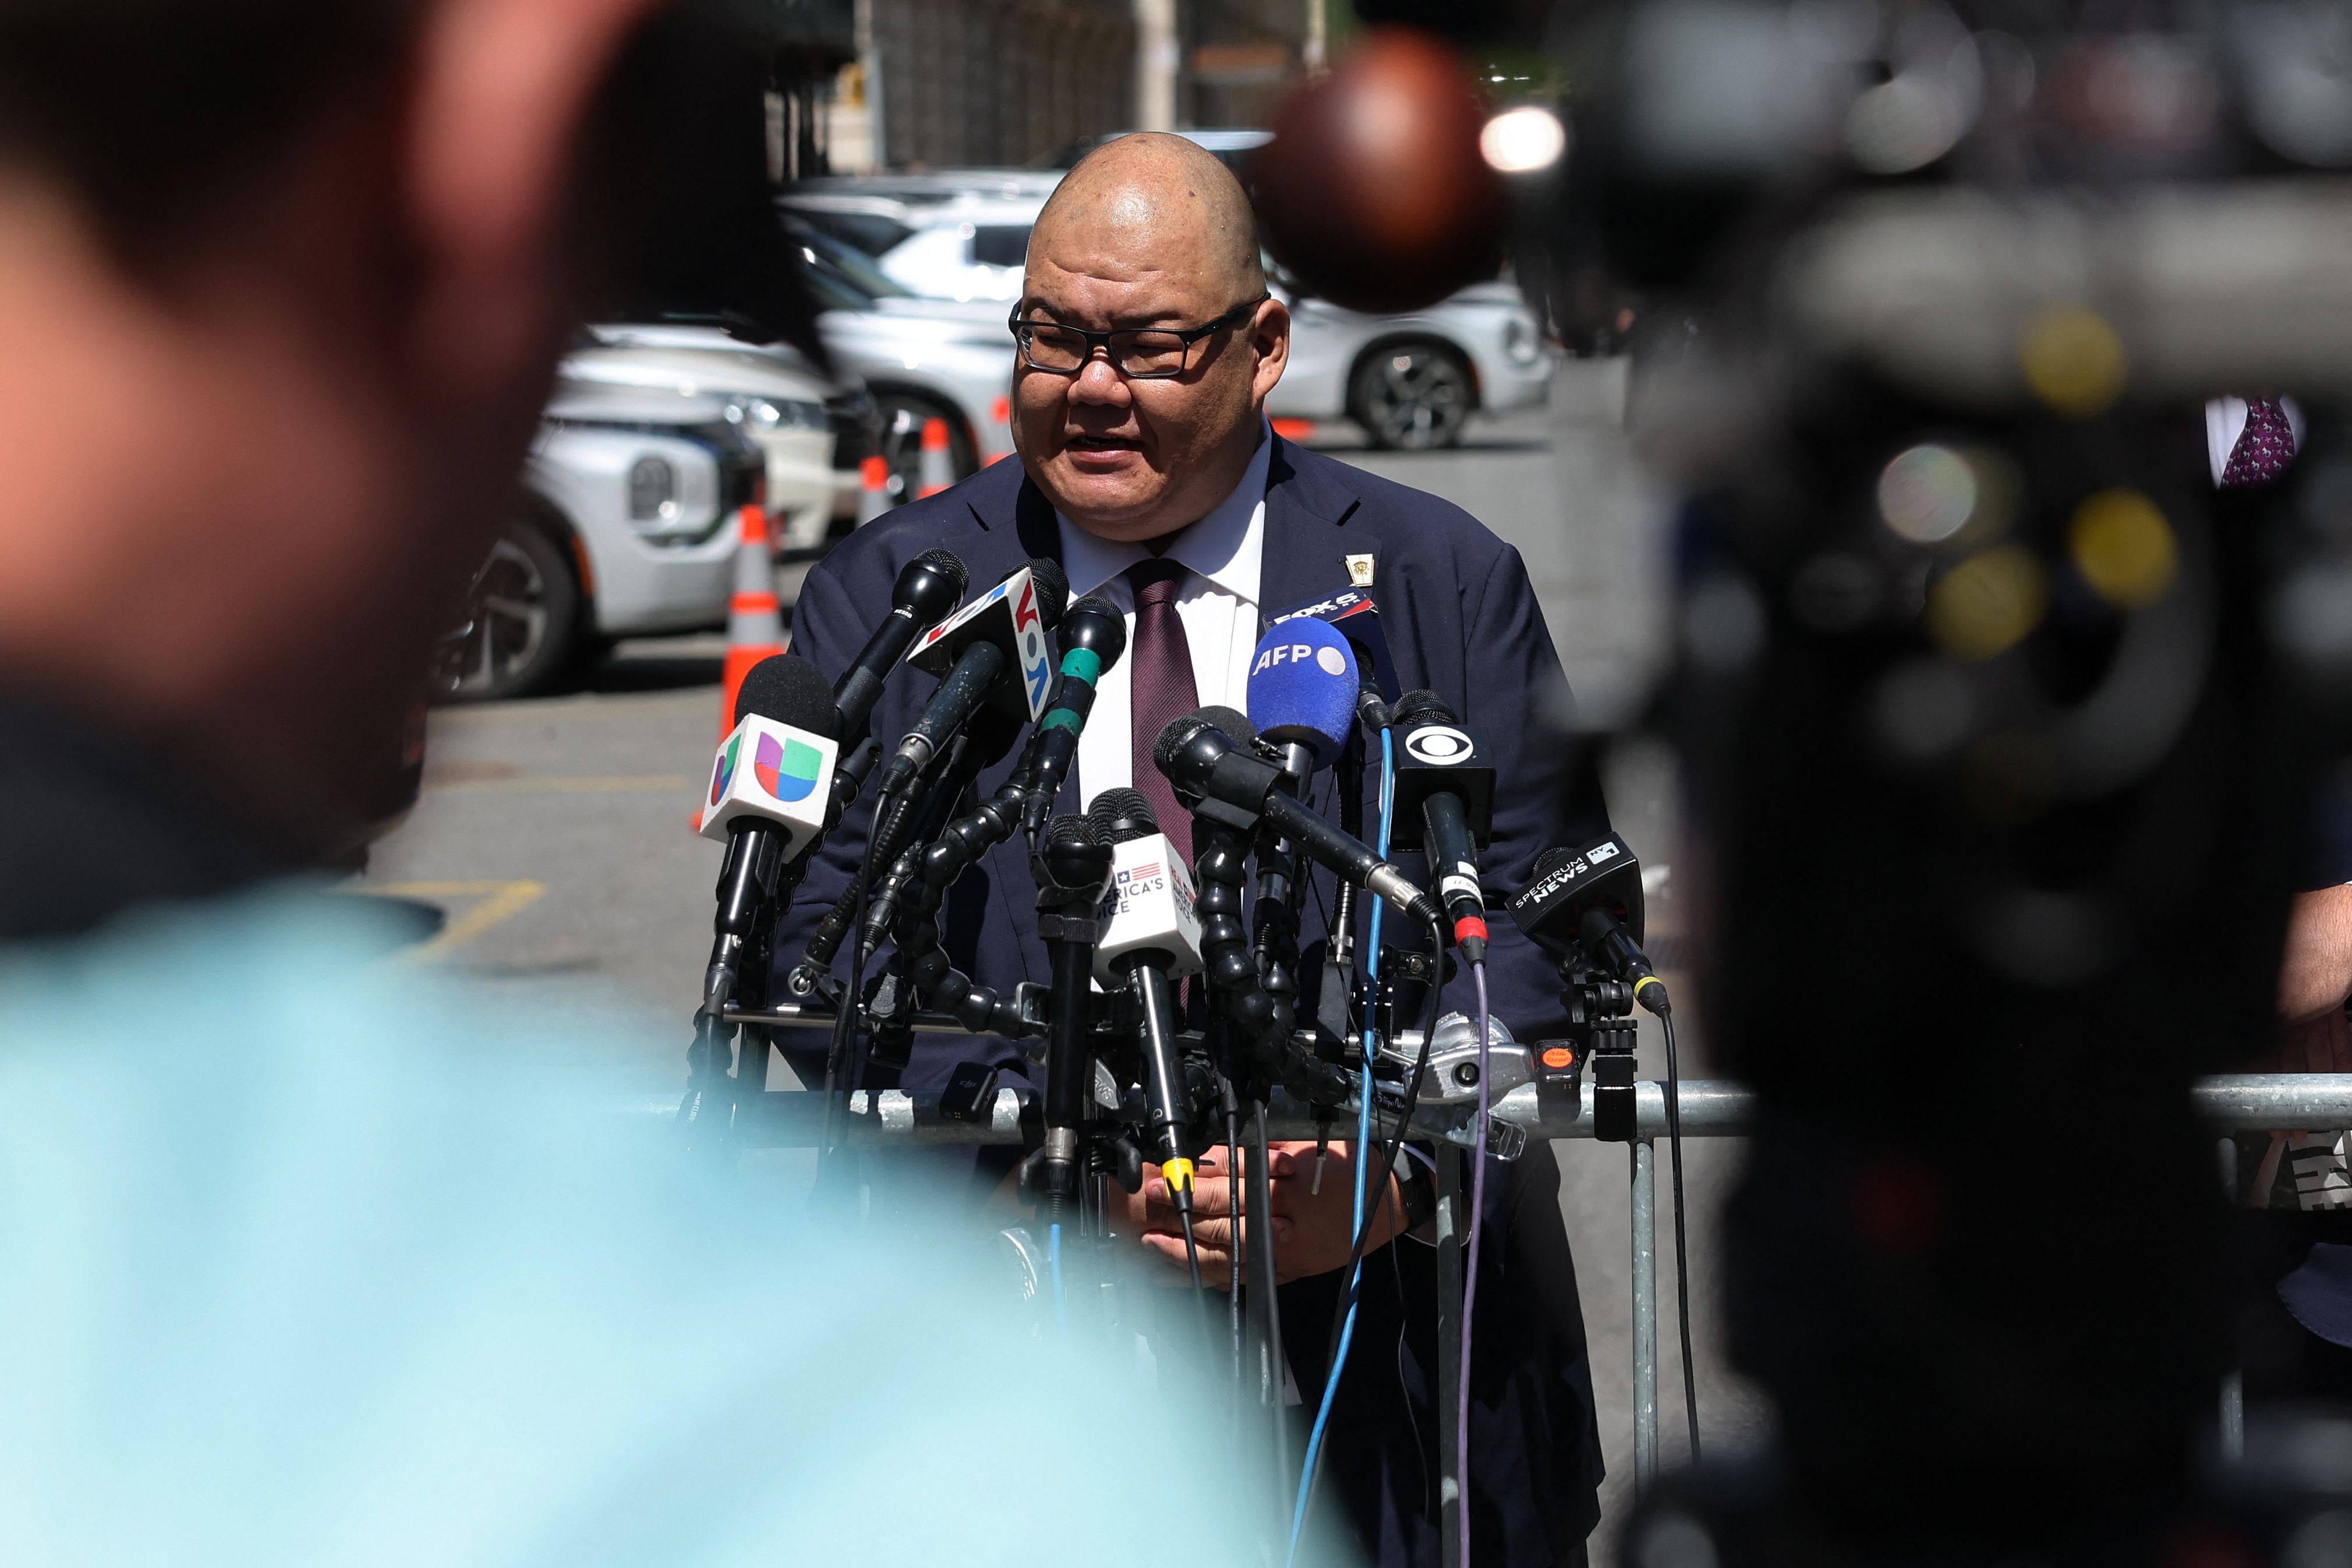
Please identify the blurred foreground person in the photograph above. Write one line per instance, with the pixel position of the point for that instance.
(308, 1262)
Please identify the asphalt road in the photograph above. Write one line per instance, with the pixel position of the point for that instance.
(556, 836)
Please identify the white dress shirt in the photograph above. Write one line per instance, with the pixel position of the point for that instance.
(1218, 604)
(2225, 420)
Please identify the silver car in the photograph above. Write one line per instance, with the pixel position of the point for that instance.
(1409, 381)
(774, 395)
(623, 525)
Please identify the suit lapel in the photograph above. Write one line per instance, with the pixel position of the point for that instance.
(1305, 546)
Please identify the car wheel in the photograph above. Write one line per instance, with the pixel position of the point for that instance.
(522, 625)
(902, 416)
(1413, 395)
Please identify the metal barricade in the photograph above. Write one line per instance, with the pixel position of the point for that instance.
(2229, 1103)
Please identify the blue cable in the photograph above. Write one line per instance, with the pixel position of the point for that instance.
(1363, 1139)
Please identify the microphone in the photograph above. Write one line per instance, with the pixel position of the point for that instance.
(772, 772)
(1122, 814)
(767, 800)
(1001, 630)
(1445, 807)
(1592, 897)
(1152, 936)
(1073, 870)
(929, 588)
(1154, 918)
(1093, 636)
(1230, 784)
(1303, 686)
(1358, 618)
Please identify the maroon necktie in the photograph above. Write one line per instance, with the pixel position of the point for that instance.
(1160, 683)
(2266, 448)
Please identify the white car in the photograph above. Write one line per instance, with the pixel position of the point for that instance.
(1408, 380)
(773, 393)
(623, 525)
(921, 359)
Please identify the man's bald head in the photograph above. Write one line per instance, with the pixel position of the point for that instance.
(1148, 240)
(1154, 193)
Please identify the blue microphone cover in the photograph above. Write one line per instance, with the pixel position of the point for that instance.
(1302, 688)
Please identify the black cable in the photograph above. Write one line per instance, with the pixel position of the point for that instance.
(1682, 1252)
(1419, 1449)
(845, 1028)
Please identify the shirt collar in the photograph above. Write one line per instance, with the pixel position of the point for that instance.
(1227, 546)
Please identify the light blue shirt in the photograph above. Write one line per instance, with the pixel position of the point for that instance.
(306, 1259)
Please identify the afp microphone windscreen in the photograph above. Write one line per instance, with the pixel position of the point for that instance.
(776, 765)
(1302, 688)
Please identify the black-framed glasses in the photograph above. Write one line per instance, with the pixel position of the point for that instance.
(1139, 353)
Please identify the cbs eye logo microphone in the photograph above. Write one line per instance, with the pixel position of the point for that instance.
(1440, 746)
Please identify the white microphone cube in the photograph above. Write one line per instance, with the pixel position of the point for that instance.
(774, 772)
(1154, 908)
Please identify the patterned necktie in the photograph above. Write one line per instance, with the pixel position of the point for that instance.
(1160, 679)
(2265, 450)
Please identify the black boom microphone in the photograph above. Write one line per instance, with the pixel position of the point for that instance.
(1592, 896)
(929, 589)
(1000, 634)
(1221, 781)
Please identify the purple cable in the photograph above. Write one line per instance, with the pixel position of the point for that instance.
(1470, 1283)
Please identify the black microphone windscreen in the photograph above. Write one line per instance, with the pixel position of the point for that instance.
(947, 565)
(788, 689)
(1424, 706)
(1052, 586)
(1119, 815)
(1233, 721)
(1551, 859)
(1072, 829)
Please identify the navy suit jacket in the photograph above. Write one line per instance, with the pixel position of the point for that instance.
(1461, 619)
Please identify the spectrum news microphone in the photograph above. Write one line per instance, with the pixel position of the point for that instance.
(1237, 787)
(1590, 900)
(1445, 807)
(1151, 940)
(768, 799)
(993, 650)
(1586, 906)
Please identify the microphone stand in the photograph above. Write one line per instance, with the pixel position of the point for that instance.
(1073, 879)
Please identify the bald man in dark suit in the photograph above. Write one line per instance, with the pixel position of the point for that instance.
(1145, 345)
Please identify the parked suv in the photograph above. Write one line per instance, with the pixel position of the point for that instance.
(622, 526)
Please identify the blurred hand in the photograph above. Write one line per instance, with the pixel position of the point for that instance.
(1313, 1231)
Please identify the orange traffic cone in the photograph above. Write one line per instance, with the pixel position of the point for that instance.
(874, 498)
(938, 457)
(755, 625)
